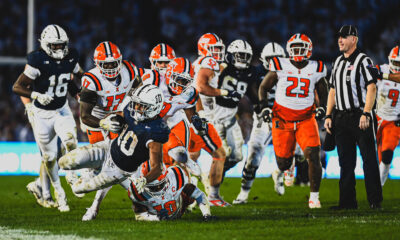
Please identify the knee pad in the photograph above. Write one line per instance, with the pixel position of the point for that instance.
(387, 156)
(179, 154)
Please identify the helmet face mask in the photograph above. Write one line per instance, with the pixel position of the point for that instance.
(54, 41)
(157, 187)
(179, 75)
(211, 45)
(146, 103)
(299, 47)
(108, 59)
(394, 60)
(241, 54)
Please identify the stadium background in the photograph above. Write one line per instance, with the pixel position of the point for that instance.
(137, 26)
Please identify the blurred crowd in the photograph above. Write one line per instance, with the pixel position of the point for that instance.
(137, 26)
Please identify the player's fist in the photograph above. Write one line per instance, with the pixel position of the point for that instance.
(266, 114)
(200, 125)
(234, 94)
(397, 123)
(43, 99)
(111, 123)
(320, 113)
(139, 183)
(375, 72)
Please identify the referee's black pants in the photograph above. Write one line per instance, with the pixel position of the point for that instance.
(348, 136)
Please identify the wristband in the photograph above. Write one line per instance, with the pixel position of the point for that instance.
(224, 92)
(367, 114)
(328, 116)
(385, 76)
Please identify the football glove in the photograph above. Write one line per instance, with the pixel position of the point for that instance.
(139, 183)
(200, 124)
(266, 114)
(234, 94)
(397, 123)
(375, 72)
(29, 111)
(43, 99)
(319, 113)
(110, 123)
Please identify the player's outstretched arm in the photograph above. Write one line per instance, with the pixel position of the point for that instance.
(155, 151)
(88, 100)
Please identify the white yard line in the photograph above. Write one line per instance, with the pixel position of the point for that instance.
(9, 233)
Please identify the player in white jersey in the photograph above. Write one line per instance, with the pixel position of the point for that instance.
(388, 114)
(103, 90)
(260, 135)
(207, 68)
(178, 110)
(47, 78)
(296, 80)
(167, 197)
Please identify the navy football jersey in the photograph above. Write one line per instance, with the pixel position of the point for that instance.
(129, 149)
(233, 79)
(54, 76)
(261, 72)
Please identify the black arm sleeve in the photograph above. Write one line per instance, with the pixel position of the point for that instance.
(88, 96)
(73, 89)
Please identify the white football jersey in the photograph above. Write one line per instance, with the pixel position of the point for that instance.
(173, 104)
(170, 199)
(110, 93)
(388, 97)
(208, 63)
(295, 87)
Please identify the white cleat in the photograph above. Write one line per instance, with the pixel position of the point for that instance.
(277, 176)
(62, 201)
(314, 203)
(289, 176)
(72, 178)
(193, 167)
(145, 216)
(90, 214)
(33, 188)
(49, 203)
(241, 198)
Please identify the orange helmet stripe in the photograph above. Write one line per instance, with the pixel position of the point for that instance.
(136, 194)
(179, 177)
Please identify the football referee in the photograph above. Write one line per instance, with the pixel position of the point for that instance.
(352, 93)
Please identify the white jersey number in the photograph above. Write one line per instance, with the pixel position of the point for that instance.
(127, 142)
(62, 85)
(232, 84)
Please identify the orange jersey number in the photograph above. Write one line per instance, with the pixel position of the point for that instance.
(110, 101)
(165, 109)
(295, 82)
(394, 96)
(170, 206)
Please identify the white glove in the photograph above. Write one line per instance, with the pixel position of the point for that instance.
(109, 124)
(139, 183)
(43, 99)
(29, 111)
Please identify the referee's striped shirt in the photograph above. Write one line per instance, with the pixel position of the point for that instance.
(350, 78)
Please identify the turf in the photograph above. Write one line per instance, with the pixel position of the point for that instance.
(266, 216)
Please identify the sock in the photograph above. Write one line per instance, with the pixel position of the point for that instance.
(314, 195)
(384, 171)
(214, 191)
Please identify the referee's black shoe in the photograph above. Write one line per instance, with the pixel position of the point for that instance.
(375, 206)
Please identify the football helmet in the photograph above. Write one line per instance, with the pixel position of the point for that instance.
(108, 59)
(394, 60)
(299, 47)
(179, 75)
(54, 41)
(211, 45)
(269, 51)
(146, 102)
(158, 186)
(161, 53)
(240, 54)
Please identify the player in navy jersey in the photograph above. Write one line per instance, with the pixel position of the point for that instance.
(141, 139)
(47, 78)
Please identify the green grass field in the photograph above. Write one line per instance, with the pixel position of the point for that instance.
(266, 216)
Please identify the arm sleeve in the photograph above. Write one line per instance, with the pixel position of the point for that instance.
(73, 88)
(368, 79)
(31, 72)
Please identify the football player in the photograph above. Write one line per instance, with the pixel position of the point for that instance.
(260, 135)
(293, 118)
(160, 56)
(236, 77)
(140, 140)
(211, 52)
(104, 87)
(178, 110)
(46, 80)
(167, 197)
(388, 114)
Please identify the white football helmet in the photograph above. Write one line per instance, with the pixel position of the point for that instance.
(241, 53)
(269, 51)
(146, 102)
(53, 36)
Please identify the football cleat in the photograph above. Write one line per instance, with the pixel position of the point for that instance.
(193, 167)
(277, 176)
(33, 188)
(241, 198)
(145, 216)
(314, 203)
(72, 178)
(90, 214)
(218, 202)
(49, 203)
(61, 200)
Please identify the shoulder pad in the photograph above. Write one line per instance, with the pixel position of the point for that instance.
(151, 77)
(73, 53)
(36, 58)
(190, 95)
(209, 63)
(179, 176)
(91, 82)
(275, 64)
